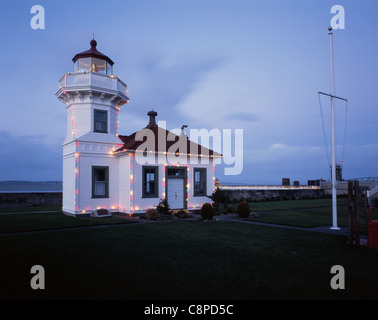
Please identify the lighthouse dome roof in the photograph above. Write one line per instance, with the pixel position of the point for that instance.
(92, 53)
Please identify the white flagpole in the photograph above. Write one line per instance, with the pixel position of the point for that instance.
(333, 170)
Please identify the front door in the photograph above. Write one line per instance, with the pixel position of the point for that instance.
(175, 193)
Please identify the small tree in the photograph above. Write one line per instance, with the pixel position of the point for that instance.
(163, 207)
(219, 198)
(243, 209)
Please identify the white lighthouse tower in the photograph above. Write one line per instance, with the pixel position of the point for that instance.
(93, 96)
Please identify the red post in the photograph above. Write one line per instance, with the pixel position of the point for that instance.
(350, 210)
(356, 212)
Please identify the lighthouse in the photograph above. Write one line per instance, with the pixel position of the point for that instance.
(105, 173)
(93, 97)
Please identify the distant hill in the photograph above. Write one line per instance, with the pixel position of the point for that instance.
(30, 186)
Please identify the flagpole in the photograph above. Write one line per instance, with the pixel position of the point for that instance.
(333, 167)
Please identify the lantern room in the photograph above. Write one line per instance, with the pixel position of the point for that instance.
(93, 60)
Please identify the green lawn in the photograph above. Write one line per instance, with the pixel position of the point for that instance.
(304, 218)
(32, 208)
(50, 220)
(306, 213)
(185, 260)
(311, 217)
(298, 213)
(293, 204)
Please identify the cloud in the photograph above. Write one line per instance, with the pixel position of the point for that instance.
(279, 153)
(243, 116)
(29, 158)
(161, 82)
(221, 95)
(267, 165)
(277, 146)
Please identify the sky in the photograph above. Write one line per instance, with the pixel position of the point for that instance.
(241, 64)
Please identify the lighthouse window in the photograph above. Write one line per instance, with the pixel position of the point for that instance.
(150, 179)
(199, 182)
(98, 65)
(94, 65)
(100, 182)
(84, 64)
(100, 121)
(109, 68)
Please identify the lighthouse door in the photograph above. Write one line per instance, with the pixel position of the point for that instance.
(175, 193)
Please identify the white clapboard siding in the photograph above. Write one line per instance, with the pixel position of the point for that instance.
(83, 148)
(140, 203)
(124, 182)
(80, 122)
(69, 184)
(85, 200)
(196, 202)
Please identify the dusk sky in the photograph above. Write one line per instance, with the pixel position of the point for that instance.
(242, 64)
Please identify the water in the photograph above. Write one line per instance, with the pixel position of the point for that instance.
(30, 186)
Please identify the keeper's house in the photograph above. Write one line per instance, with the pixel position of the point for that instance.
(104, 172)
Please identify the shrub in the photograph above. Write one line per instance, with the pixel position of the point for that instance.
(151, 214)
(243, 209)
(207, 211)
(163, 207)
(219, 197)
(181, 214)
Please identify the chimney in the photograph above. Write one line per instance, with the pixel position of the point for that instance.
(152, 114)
(182, 129)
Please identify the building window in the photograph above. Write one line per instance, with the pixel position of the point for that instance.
(100, 121)
(100, 182)
(150, 182)
(176, 172)
(199, 182)
(94, 65)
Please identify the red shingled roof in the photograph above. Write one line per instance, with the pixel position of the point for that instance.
(159, 136)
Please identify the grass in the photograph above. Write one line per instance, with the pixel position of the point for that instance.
(31, 209)
(185, 260)
(294, 204)
(297, 213)
(305, 218)
(306, 213)
(50, 220)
